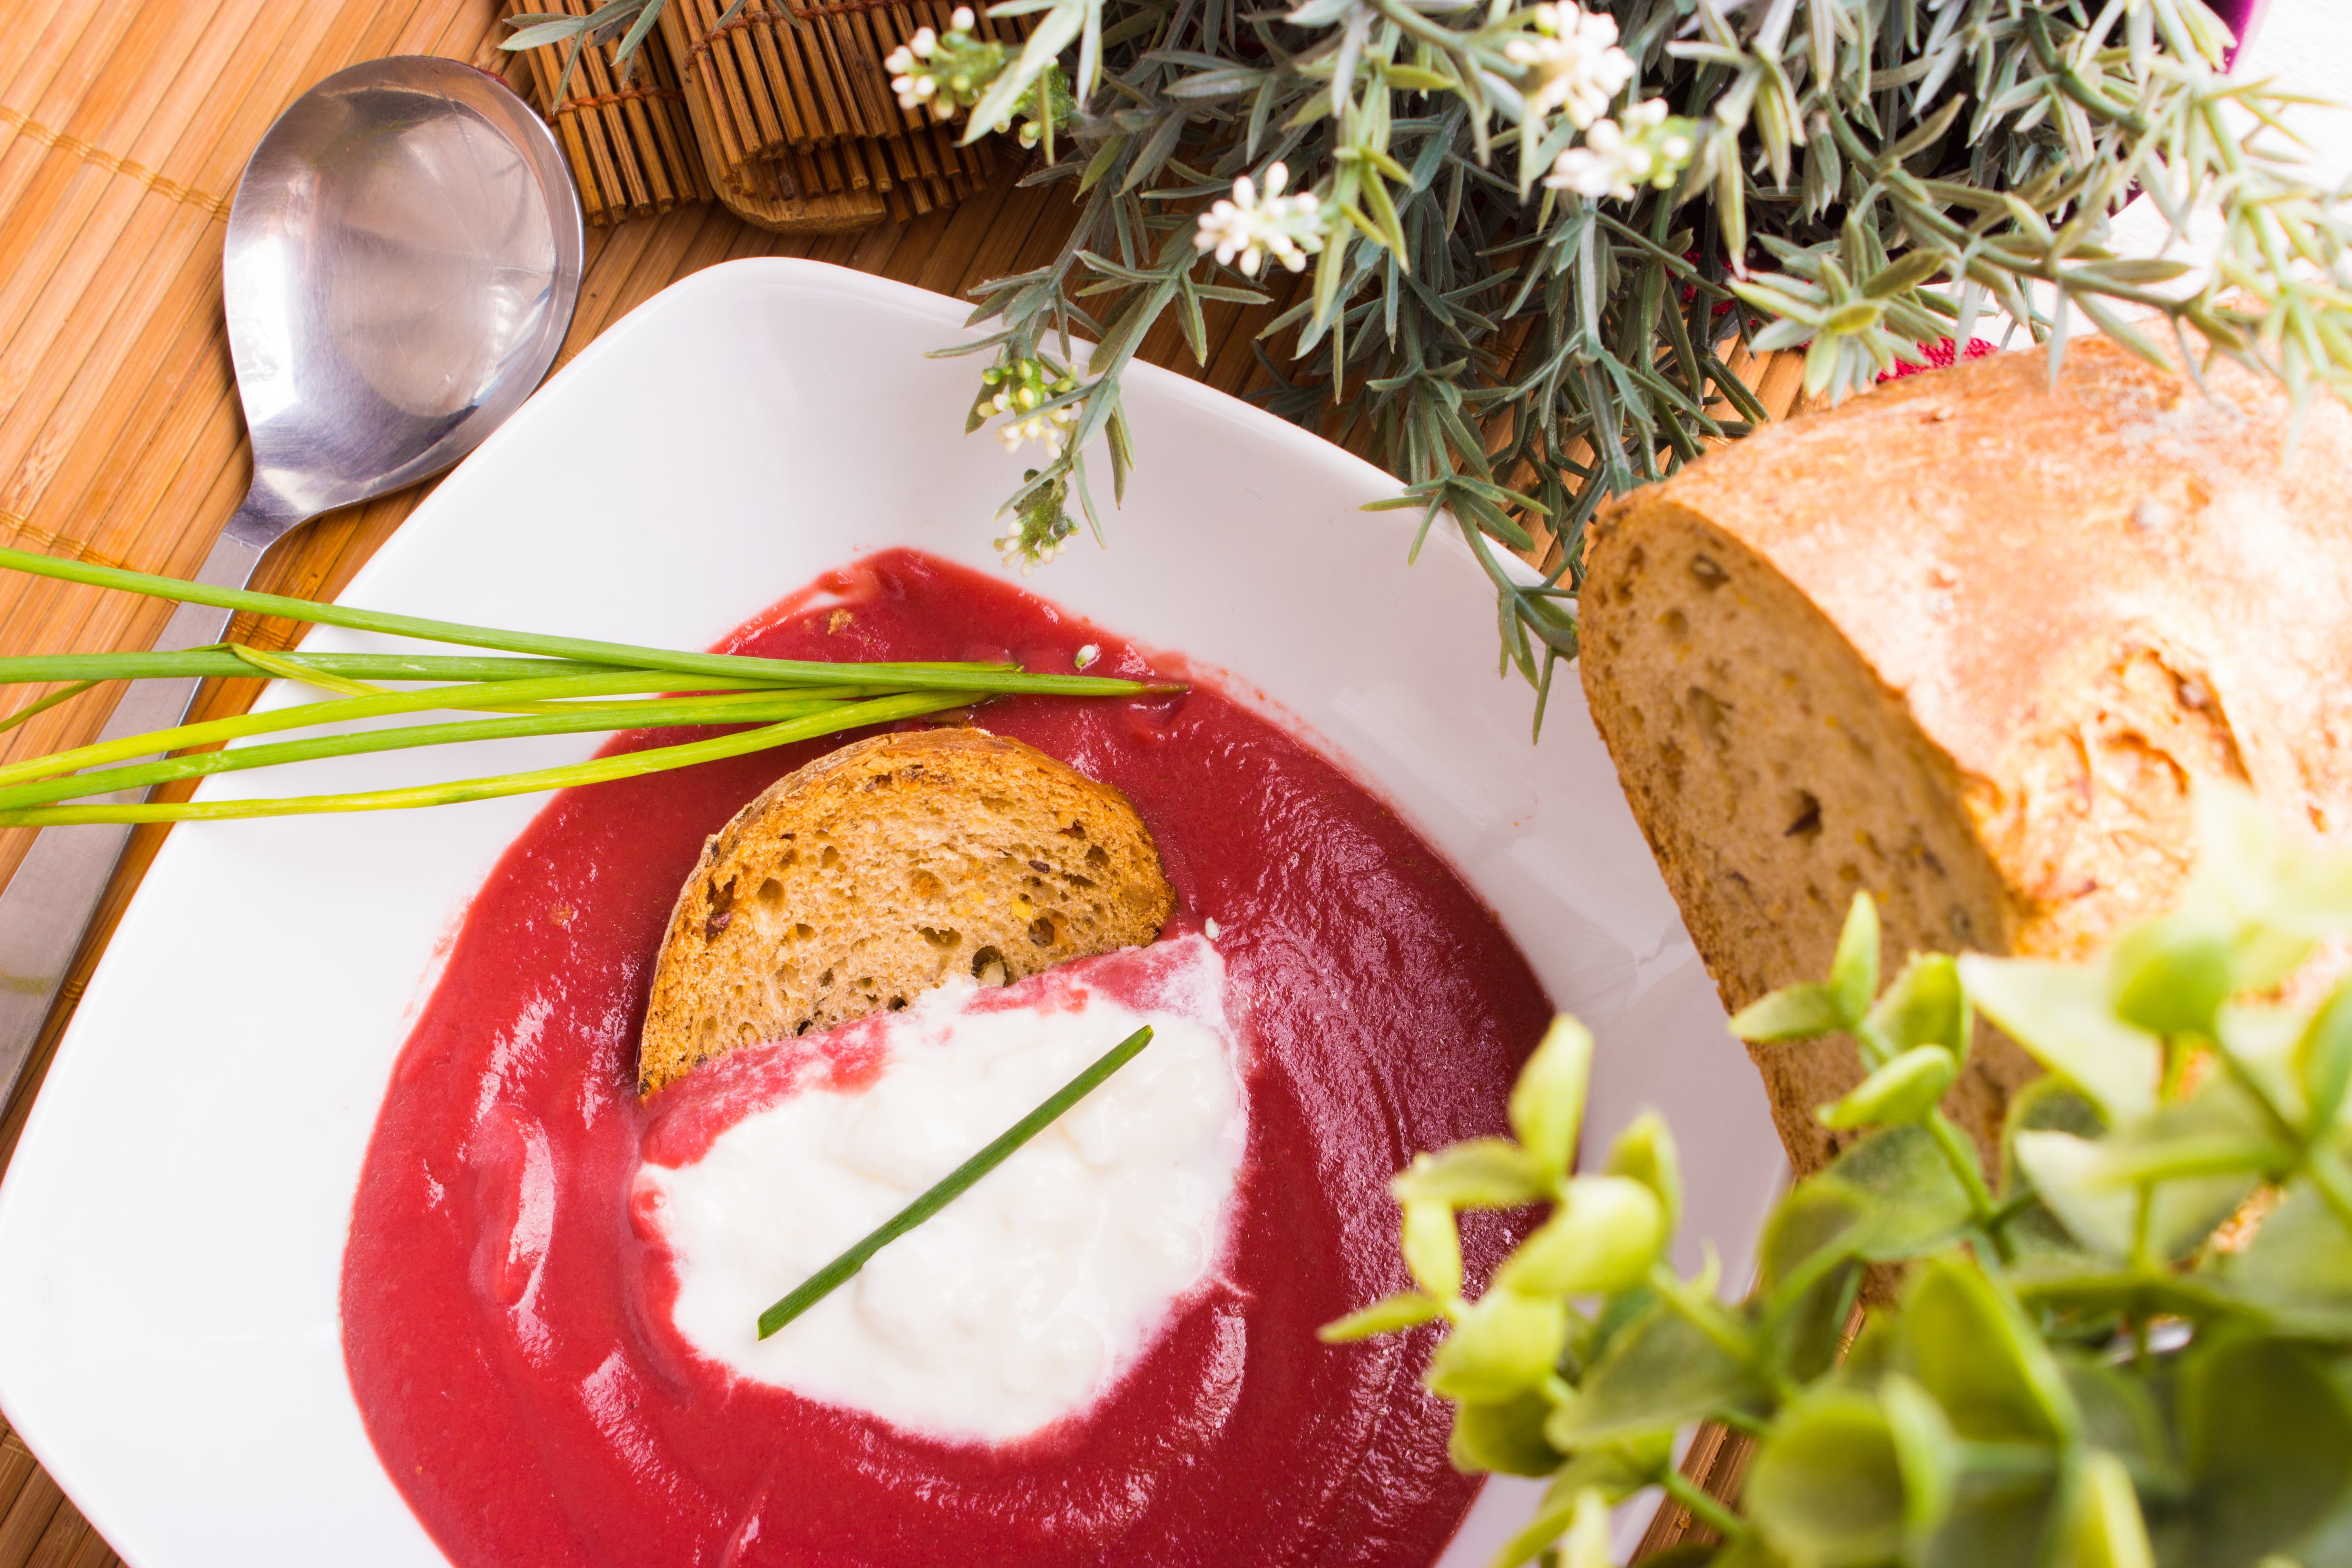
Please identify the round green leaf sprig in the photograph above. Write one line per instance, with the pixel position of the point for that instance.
(2080, 1361)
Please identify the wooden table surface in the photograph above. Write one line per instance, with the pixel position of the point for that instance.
(122, 130)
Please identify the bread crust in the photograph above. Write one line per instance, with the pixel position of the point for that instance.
(1984, 620)
(880, 870)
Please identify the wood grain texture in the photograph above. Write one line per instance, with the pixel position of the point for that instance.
(122, 131)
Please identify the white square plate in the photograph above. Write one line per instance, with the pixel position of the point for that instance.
(172, 1226)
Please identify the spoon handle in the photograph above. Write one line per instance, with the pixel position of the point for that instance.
(47, 906)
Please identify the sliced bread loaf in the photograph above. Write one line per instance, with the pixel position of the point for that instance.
(1965, 642)
(878, 872)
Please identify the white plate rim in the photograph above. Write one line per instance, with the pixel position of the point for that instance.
(1157, 400)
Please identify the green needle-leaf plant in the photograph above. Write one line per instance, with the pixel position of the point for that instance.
(1510, 250)
(2132, 1349)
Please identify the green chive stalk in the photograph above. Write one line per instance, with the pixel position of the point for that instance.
(626, 764)
(953, 1185)
(626, 655)
(531, 695)
(559, 686)
(764, 707)
(222, 659)
(34, 709)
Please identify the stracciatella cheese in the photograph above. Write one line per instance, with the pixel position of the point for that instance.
(1024, 1299)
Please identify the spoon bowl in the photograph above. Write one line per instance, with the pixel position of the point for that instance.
(402, 259)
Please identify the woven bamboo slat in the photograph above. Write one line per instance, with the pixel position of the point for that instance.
(793, 94)
(122, 131)
(630, 142)
(790, 192)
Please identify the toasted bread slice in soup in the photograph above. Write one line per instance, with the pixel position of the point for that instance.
(879, 870)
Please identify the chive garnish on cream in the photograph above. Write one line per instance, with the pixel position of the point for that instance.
(838, 1272)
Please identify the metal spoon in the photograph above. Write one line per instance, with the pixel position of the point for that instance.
(403, 260)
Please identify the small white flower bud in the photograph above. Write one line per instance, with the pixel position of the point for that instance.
(1571, 61)
(1249, 226)
(962, 20)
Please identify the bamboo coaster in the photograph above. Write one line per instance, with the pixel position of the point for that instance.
(781, 86)
(631, 144)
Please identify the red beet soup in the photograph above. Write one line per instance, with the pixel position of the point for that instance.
(505, 1322)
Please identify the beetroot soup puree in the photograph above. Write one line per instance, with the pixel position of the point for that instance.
(506, 1323)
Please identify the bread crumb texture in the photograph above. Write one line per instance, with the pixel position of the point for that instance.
(1965, 643)
(880, 870)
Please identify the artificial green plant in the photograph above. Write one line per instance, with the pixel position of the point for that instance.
(2129, 1347)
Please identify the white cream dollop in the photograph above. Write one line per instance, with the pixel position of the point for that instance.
(1025, 1300)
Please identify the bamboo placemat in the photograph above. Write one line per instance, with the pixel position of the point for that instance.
(122, 131)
